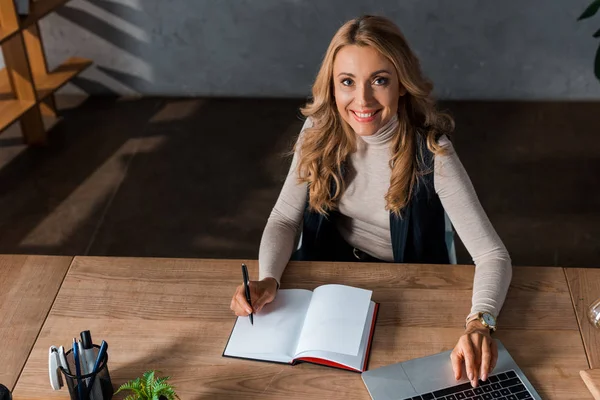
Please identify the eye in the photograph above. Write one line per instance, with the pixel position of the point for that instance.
(381, 81)
(347, 82)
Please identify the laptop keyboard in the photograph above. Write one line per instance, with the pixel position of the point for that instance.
(504, 386)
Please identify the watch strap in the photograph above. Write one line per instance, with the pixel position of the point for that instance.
(479, 317)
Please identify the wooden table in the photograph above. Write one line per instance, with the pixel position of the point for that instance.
(28, 286)
(591, 378)
(173, 315)
(584, 284)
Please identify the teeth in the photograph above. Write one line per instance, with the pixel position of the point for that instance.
(361, 115)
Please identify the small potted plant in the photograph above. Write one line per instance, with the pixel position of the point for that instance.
(148, 387)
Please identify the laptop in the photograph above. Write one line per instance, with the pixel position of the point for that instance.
(430, 378)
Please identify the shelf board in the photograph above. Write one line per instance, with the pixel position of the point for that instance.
(5, 91)
(6, 33)
(11, 110)
(39, 9)
(47, 84)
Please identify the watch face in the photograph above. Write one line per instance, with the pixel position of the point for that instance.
(489, 319)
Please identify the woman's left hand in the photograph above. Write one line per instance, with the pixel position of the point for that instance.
(477, 350)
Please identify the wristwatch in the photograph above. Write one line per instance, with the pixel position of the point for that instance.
(487, 319)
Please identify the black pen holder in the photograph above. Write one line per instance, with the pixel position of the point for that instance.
(4, 393)
(90, 386)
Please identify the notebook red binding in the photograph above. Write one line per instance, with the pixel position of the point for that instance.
(321, 361)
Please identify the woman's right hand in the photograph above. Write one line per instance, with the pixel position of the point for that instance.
(261, 293)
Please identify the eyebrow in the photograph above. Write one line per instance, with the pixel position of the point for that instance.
(381, 71)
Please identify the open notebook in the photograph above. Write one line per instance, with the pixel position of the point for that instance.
(332, 325)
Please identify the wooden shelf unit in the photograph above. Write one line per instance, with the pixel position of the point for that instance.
(26, 86)
(47, 84)
(6, 33)
(11, 110)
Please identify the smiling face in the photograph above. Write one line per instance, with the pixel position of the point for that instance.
(366, 88)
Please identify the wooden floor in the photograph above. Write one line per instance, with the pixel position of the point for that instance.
(198, 177)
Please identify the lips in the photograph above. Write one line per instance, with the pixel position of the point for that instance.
(365, 115)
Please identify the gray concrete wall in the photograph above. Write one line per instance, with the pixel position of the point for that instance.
(471, 49)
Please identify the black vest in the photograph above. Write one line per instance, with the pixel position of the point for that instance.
(417, 238)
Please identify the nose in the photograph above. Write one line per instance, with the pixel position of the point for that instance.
(364, 95)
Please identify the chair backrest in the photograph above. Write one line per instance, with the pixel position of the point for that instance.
(450, 240)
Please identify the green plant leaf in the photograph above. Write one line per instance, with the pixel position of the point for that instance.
(590, 11)
(159, 383)
(164, 379)
(597, 64)
(597, 34)
(149, 383)
(165, 390)
(149, 387)
(135, 386)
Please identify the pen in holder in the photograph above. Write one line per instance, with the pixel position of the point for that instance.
(94, 386)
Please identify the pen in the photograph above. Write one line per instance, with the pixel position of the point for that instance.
(247, 289)
(99, 358)
(82, 359)
(77, 369)
(101, 353)
(88, 354)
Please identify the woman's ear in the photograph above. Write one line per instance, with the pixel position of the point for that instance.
(402, 90)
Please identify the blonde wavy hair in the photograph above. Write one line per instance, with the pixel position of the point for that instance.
(326, 145)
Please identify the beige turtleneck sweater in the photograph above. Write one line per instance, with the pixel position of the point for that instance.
(365, 222)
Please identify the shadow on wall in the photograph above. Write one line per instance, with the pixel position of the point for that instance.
(273, 48)
(127, 29)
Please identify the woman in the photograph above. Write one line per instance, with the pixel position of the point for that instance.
(372, 175)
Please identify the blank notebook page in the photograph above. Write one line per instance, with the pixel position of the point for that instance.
(275, 331)
(335, 320)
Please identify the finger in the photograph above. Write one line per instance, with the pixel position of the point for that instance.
(256, 291)
(257, 296)
(265, 298)
(240, 313)
(486, 359)
(242, 303)
(456, 363)
(476, 340)
(469, 360)
(259, 303)
(239, 309)
(253, 290)
(494, 348)
(233, 303)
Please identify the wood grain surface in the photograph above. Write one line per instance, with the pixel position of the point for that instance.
(591, 377)
(28, 286)
(584, 284)
(173, 315)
